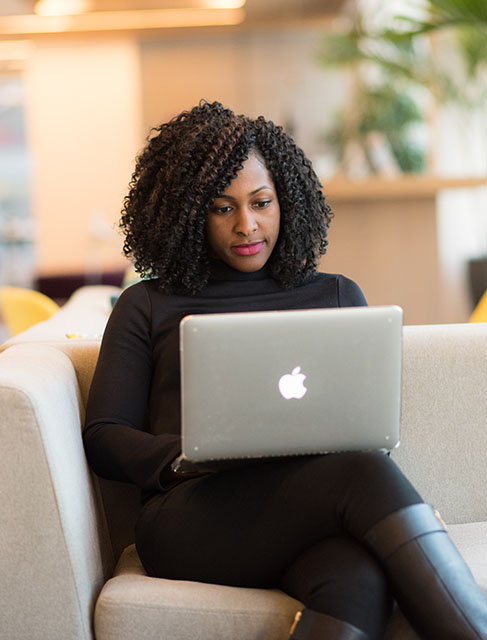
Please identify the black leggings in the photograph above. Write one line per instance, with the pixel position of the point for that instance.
(293, 523)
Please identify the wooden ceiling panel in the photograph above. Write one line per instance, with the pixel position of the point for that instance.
(255, 9)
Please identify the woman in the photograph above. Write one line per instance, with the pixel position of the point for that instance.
(225, 213)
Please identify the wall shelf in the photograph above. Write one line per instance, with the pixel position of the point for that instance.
(407, 187)
(385, 236)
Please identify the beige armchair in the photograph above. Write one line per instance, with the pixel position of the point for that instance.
(69, 570)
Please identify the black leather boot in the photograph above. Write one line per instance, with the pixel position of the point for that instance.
(311, 625)
(431, 582)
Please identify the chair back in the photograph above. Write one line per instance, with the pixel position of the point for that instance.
(22, 308)
(480, 312)
(120, 500)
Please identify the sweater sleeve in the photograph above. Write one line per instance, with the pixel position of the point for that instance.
(349, 293)
(116, 444)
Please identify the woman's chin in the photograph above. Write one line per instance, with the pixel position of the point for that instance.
(248, 264)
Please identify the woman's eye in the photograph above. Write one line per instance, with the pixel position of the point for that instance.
(221, 210)
(262, 204)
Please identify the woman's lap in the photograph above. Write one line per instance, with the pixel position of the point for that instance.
(245, 527)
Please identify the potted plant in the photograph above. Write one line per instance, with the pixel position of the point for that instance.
(396, 77)
(466, 22)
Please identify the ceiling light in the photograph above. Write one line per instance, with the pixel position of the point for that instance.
(120, 20)
(224, 4)
(61, 7)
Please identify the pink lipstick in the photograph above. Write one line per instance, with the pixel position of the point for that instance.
(250, 249)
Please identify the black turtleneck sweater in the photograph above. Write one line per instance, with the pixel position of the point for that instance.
(132, 431)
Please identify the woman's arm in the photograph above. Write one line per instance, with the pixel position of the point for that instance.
(117, 447)
(349, 293)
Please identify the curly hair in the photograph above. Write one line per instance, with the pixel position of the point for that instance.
(186, 164)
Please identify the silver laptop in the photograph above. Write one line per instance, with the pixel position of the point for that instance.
(282, 383)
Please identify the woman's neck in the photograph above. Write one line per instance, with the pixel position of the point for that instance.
(219, 270)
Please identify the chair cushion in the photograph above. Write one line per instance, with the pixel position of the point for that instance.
(471, 539)
(133, 606)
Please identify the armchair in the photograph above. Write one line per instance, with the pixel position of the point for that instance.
(69, 567)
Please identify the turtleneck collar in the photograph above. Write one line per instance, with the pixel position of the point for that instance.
(220, 270)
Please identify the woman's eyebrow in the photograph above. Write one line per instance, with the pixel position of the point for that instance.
(252, 193)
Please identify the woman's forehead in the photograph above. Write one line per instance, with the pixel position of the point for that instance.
(251, 178)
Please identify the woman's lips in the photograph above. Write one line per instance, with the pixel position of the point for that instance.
(249, 249)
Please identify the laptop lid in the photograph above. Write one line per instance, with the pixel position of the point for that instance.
(290, 382)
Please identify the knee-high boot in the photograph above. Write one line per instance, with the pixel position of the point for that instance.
(311, 625)
(431, 582)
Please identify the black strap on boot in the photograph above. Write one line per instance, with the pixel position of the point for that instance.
(432, 584)
(311, 625)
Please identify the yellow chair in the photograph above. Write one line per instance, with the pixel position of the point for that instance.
(480, 312)
(21, 308)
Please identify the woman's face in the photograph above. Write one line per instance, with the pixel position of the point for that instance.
(243, 222)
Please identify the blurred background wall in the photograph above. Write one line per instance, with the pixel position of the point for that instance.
(83, 118)
(86, 95)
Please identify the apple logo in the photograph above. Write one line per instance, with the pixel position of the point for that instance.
(291, 384)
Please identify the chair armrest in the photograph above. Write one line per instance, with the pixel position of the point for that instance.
(444, 413)
(55, 553)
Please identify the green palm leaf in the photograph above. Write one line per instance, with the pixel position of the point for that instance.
(449, 13)
(467, 17)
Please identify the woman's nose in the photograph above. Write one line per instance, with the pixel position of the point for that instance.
(246, 222)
